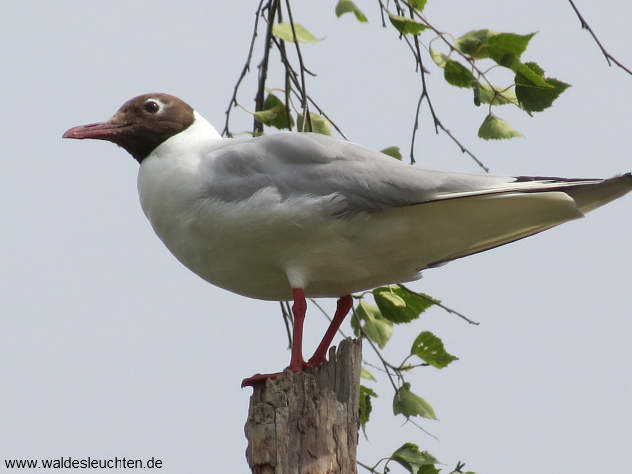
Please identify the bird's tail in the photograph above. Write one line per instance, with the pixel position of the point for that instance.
(483, 221)
(591, 196)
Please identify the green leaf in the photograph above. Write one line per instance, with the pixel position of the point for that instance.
(365, 406)
(429, 348)
(375, 326)
(406, 25)
(533, 98)
(392, 151)
(399, 305)
(274, 113)
(535, 68)
(347, 6)
(417, 4)
(319, 124)
(284, 31)
(439, 59)
(504, 48)
(494, 128)
(473, 42)
(529, 75)
(409, 456)
(365, 374)
(409, 404)
(457, 74)
(483, 94)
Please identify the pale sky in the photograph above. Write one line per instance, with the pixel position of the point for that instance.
(110, 347)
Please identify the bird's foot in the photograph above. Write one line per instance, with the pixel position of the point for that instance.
(261, 378)
(258, 378)
(315, 361)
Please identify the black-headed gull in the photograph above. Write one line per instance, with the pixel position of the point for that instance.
(295, 215)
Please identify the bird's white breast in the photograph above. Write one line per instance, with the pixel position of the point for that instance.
(168, 182)
(229, 244)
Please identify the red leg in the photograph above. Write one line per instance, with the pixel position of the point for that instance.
(298, 310)
(296, 360)
(343, 307)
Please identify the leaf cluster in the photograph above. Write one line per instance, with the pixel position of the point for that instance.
(395, 305)
(531, 90)
(415, 461)
(469, 63)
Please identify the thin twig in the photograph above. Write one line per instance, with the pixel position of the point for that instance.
(322, 112)
(320, 308)
(306, 118)
(257, 127)
(287, 64)
(286, 321)
(286, 91)
(414, 423)
(424, 93)
(382, 15)
(293, 76)
(403, 368)
(367, 467)
(441, 35)
(422, 72)
(244, 71)
(375, 349)
(424, 90)
(458, 469)
(435, 118)
(373, 366)
(439, 304)
(609, 58)
(437, 122)
(463, 148)
(416, 126)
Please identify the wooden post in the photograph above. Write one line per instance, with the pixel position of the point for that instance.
(307, 422)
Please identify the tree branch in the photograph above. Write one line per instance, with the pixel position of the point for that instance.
(375, 349)
(306, 118)
(287, 321)
(244, 71)
(286, 91)
(257, 127)
(440, 305)
(609, 58)
(293, 76)
(424, 88)
(368, 468)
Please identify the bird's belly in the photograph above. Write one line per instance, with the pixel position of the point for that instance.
(229, 260)
(240, 260)
(252, 251)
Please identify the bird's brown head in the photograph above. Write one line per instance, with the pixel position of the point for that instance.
(141, 124)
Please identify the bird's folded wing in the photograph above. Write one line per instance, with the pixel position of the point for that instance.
(355, 179)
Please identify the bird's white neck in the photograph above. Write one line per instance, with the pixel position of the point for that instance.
(199, 134)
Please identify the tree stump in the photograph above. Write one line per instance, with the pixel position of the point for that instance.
(307, 422)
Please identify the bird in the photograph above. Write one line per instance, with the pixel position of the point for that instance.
(293, 215)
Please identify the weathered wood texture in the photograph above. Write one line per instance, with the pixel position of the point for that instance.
(307, 422)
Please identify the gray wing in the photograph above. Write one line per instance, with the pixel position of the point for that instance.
(298, 164)
(353, 179)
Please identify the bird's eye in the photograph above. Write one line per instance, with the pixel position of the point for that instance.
(152, 106)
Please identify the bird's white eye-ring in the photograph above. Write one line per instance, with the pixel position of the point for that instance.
(151, 106)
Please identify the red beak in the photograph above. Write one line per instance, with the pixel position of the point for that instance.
(98, 131)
